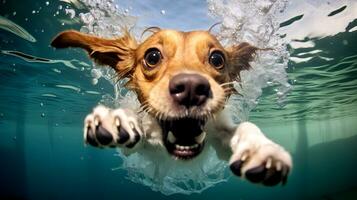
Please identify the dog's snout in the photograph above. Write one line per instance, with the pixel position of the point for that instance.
(189, 89)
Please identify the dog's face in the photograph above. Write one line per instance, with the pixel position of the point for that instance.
(181, 78)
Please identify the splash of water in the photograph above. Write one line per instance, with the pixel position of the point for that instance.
(156, 169)
(254, 22)
(250, 21)
(105, 19)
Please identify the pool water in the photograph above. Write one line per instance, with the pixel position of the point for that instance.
(303, 96)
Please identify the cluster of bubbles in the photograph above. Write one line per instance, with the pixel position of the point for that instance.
(104, 18)
(254, 22)
(248, 21)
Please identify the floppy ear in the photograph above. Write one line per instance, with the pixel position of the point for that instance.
(239, 58)
(117, 53)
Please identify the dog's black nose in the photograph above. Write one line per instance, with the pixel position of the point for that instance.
(189, 89)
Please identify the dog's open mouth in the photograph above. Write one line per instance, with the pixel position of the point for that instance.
(184, 138)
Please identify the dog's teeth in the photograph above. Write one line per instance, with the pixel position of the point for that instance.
(199, 139)
(179, 147)
(186, 148)
(171, 138)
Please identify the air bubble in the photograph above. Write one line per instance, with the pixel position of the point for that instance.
(94, 81)
(280, 94)
(163, 12)
(270, 83)
(41, 104)
(47, 3)
(43, 115)
(71, 13)
(96, 73)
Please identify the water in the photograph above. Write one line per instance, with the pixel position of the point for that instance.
(303, 95)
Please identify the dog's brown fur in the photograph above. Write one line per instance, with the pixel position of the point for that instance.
(181, 51)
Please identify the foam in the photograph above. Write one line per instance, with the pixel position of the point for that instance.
(254, 22)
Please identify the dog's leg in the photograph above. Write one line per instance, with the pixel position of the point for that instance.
(112, 128)
(257, 158)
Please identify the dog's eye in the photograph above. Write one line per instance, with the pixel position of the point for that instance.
(152, 57)
(216, 59)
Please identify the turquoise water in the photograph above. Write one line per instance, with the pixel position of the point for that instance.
(46, 93)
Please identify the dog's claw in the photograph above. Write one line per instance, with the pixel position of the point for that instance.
(272, 177)
(136, 139)
(285, 173)
(236, 167)
(91, 137)
(104, 137)
(256, 174)
(123, 135)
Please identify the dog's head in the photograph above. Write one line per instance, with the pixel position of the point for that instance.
(181, 78)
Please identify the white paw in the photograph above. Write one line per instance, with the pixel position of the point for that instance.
(111, 128)
(258, 159)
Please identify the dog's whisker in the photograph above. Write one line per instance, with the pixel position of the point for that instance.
(227, 83)
(228, 106)
(144, 110)
(144, 105)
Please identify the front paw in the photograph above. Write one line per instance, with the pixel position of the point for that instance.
(111, 128)
(268, 163)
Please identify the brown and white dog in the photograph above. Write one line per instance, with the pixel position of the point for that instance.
(182, 80)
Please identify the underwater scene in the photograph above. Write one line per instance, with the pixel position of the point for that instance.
(301, 91)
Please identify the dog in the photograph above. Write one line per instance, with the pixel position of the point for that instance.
(182, 81)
